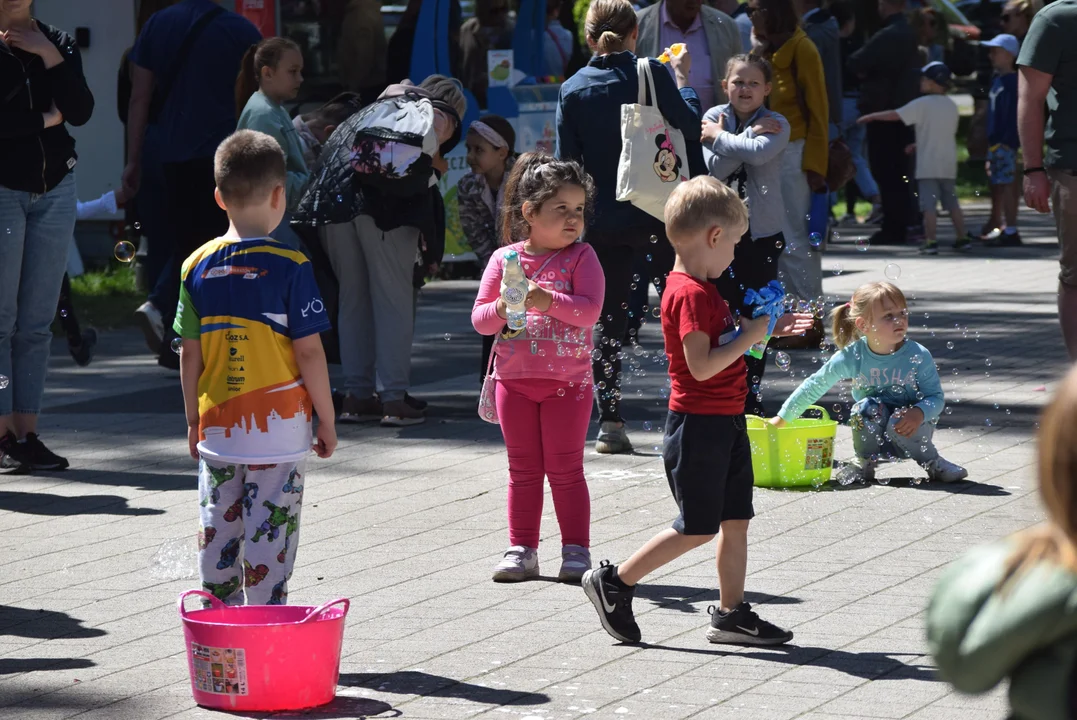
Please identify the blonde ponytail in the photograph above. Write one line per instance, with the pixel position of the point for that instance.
(609, 24)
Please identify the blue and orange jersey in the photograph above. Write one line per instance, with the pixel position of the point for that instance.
(246, 301)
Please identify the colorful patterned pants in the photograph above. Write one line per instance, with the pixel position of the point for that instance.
(249, 529)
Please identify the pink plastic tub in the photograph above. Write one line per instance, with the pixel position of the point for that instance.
(263, 657)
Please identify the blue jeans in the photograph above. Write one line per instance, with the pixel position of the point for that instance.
(874, 435)
(35, 231)
(854, 135)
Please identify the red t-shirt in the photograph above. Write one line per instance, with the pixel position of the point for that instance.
(691, 305)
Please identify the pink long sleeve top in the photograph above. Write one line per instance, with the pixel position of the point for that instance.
(556, 344)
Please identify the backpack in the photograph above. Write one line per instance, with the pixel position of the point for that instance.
(395, 143)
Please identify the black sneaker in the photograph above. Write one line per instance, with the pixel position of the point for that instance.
(33, 455)
(741, 626)
(9, 448)
(613, 602)
(84, 351)
(415, 402)
(1010, 240)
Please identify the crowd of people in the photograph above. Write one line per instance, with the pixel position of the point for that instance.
(264, 212)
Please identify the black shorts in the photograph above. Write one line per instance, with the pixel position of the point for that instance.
(709, 468)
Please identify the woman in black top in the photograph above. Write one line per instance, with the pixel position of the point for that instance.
(588, 131)
(41, 88)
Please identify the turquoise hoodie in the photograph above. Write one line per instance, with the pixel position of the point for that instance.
(905, 378)
(262, 114)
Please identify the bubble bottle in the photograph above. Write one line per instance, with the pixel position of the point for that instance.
(514, 290)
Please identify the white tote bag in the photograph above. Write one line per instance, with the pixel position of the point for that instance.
(653, 157)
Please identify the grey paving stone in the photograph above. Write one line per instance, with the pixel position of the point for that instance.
(408, 524)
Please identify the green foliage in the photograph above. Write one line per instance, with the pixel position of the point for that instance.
(115, 281)
(579, 14)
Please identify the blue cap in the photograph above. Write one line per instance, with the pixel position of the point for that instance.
(1009, 43)
(937, 72)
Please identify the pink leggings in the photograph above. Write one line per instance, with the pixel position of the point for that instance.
(545, 427)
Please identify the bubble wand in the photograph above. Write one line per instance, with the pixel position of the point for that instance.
(768, 300)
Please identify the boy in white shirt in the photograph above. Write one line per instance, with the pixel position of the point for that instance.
(934, 116)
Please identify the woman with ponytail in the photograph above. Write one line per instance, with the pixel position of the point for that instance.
(1007, 610)
(270, 76)
(588, 118)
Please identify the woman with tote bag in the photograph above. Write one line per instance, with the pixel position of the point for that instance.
(588, 123)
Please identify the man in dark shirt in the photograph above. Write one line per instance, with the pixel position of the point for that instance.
(889, 70)
(195, 103)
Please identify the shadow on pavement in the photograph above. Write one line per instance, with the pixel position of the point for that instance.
(11, 666)
(414, 682)
(342, 707)
(37, 503)
(45, 624)
(683, 598)
(176, 480)
(866, 665)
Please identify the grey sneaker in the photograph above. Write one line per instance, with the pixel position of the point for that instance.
(575, 561)
(519, 563)
(942, 470)
(152, 325)
(856, 470)
(612, 439)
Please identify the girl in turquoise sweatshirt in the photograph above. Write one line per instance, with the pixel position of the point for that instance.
(270, 75)
(895, 383)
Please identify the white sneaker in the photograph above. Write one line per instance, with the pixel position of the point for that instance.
(856, 470)
(612, 439)
(575, 561)
(152, 324)
(942, 470)
(519, 563)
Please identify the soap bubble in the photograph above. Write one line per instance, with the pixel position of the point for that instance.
(815, 240)
(892, 271)
(654, 239)
(124, 251)
(176, 559)
(863, 243)
(950, 345)
(987, 362)
(647, 426)
(4, 382)
(448, 337)
(837, 268)
(560, 392)
(778, 244)
(177, 345)
(782, 361)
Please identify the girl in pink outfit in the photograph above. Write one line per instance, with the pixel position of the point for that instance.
(543, 372)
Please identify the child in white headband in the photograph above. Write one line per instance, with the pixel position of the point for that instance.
(491, 149)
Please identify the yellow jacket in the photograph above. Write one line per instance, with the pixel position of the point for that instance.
(799, 52)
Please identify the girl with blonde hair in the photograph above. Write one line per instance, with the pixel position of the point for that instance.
(895, 384)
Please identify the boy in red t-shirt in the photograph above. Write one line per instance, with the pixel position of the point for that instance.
(707, 456)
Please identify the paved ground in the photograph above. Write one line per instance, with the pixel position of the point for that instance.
(409, 523)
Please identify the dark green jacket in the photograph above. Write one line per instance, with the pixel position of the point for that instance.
(1026, 632)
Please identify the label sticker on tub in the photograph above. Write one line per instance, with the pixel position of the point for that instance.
(820, 452)
(220, 670)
